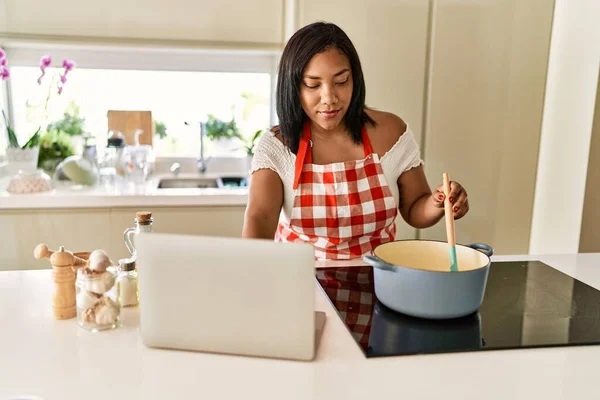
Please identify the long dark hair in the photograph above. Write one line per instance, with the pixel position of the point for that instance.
(300, 49)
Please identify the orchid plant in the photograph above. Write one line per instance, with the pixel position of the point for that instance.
(57, 84)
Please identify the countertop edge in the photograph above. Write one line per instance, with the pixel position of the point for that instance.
(24, 202)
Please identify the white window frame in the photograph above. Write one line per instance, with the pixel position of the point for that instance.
(143, 57)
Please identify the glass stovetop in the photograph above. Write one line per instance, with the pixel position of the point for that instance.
(526, 304)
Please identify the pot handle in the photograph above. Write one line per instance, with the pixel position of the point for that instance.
(487, 250)
(377, 262)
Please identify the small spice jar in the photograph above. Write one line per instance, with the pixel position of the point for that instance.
(97, 299)
(127, 282)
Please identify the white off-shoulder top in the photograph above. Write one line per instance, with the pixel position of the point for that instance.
(271, 153)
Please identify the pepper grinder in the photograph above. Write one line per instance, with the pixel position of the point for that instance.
(64, 264)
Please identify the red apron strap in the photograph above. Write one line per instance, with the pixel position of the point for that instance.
(366, 142)
(304, 154)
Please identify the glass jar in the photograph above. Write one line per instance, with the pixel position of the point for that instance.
(110, 165)
(30, 182)
(127, 282)
(143, 224)
(138, 162)
(97, 300)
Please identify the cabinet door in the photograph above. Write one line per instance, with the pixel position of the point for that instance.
(590, 221)
(391, 39)
(257, 21)
(485, 111)
(212, 221)
(77, 230)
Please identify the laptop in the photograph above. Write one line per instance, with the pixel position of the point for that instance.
(246, 297)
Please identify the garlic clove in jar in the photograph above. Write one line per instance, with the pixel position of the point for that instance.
(99, 261)
(97, 282)
(86, 299)
(89, 317)
(106, 311)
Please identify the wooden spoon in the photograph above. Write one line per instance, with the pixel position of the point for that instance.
(449, 216)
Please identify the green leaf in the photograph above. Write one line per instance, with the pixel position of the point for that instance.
(34, 140)
(12, 138)
(160, 129)
(250, 144)
(217, 129)
(256, 135)
(55, 146)
(71, 123)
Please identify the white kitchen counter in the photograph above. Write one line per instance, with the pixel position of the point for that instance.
(146, 196)
(58, 360)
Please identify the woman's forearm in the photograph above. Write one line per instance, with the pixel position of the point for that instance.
(423, 213)
(258, 227)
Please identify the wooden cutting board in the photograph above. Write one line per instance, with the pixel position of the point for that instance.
(127, 122)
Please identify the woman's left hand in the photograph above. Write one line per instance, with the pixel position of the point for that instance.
(458, 198)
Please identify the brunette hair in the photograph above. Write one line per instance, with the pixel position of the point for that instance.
(300, 49)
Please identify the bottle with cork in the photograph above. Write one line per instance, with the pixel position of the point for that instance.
(143, 224)
(128, 275)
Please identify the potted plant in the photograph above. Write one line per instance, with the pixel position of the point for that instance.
(72, 125)
(26, 157)
(224, 135)
(21, 157)
(160, 129)
(54, 147)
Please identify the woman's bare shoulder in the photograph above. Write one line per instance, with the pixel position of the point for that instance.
(277, 133)
(387, 131)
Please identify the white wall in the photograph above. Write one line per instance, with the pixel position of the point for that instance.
(566, 127)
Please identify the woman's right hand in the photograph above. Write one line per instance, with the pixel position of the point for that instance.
(457, 196)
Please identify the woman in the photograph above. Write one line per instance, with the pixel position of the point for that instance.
(339, 170)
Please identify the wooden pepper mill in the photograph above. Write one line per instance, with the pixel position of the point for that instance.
(64, 265)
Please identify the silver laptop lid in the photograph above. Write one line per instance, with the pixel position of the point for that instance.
(227, 295)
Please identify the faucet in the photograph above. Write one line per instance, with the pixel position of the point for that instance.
(175, 168)
(202, 162)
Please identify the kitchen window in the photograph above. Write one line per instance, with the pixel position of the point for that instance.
(176, 85)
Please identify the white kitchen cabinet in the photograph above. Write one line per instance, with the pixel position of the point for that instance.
(391, 40)
(590, 221)
(257, 21)
(77, 230)
(89, 229)
(488, 76)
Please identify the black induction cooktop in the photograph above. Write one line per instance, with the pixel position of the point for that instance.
(527, 304)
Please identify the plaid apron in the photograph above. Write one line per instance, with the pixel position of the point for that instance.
(352, 293)
(343, 209)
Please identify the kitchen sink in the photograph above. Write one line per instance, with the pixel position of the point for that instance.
(203, 182)
(187, 183)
